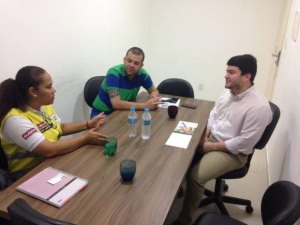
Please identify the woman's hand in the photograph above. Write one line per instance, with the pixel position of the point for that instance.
(95, 138)
(96, 121)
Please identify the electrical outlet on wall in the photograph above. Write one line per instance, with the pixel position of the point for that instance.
(200, 86)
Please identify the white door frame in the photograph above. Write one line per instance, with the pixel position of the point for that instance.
(278, 48)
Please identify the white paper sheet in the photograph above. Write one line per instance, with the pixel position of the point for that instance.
(179, 140)
(182, 134)
(166, 104)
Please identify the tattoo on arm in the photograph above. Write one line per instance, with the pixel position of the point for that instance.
(113, 93)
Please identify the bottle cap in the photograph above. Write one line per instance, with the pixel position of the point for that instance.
(132, 108)
(146, 110)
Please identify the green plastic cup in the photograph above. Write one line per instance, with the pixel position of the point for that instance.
(110, 146)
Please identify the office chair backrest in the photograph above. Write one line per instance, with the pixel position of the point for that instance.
(3, 159)
(176, 86)
(281, 204)
(260, 144)
(22, 214)
(91, 89)
(268, 131)
(6, 178)
(270, 128)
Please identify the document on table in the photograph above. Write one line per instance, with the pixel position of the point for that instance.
(166, 102)
(182, 134)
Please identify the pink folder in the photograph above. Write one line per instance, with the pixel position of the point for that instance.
(53, 186)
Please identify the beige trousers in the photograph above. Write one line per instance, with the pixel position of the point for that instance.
(212, 165)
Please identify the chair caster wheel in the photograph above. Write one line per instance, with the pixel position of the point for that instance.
(225, 188)
(249, 209)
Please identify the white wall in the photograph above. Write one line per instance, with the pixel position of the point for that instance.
(74, 40)
(194, 39)
(284, 147)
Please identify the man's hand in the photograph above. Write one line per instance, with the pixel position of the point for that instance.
(153, 93)
(208, 146)
(152, 103)
(204, 137)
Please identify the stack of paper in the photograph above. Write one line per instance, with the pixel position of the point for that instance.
(182, 134)
(166, 102)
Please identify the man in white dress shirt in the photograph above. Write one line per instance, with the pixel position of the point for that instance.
(235, 125)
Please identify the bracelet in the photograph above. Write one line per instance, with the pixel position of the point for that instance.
(87, 124)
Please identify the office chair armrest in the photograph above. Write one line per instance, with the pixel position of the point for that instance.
(5, 179)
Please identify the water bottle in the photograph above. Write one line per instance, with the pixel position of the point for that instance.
(146, 124)
(132, 120)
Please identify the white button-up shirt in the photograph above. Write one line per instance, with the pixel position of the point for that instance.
(240, 120)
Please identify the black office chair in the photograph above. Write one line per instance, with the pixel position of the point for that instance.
(216, 195)
(3, 159)
(91, 89)
(21, 213)
(176, 86)
(5, 177)
(279, 206)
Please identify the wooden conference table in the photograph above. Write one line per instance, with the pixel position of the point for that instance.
(108, 201)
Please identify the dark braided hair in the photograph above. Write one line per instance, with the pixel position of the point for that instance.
(14, 93)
